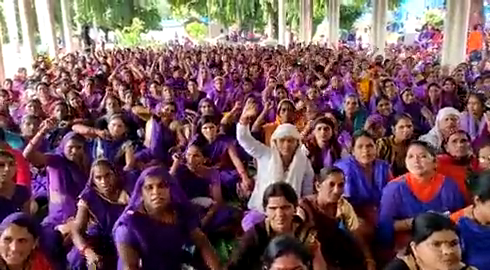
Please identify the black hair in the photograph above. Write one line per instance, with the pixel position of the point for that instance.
(425, 224)
(280, 189)
(361, 133)
(433, 84)
(7, 154)
(401, 116)
(286, 245)
(480, 186)
(380, 98)
(326, 172)
(446, 140)
(479, 96)
(2, 135)
(205, 119)
(426, 146)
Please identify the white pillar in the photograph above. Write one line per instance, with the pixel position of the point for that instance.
(26, 21)
(9, 11)
(306, 21)
(67, 23)
(281, 35)
(333, 21)
(2, 65)
(455, 32)
(45, 19)
(378, 30)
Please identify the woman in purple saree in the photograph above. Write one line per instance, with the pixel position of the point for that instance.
(67, 168)
(99, 206)
(157, 223)
(473, 120)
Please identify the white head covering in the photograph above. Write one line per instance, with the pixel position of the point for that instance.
(295, 173)
(434, 137)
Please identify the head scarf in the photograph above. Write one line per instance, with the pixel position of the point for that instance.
(296, 171)
(23, 220)
(435, 136)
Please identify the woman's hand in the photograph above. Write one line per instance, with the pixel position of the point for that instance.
(92, 258)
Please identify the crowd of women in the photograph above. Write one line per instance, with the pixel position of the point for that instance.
(245, 157)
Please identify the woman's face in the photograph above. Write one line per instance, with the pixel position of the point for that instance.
(75, 101)
(474, 106)
(334, 82)
(351, 105)
(288, 262)
(280, 214)
(440, 251)
(192, 86)
(458, 145)
(384, 107)
(206, 108)
(332, 188)
(129, 98)
(287, 146)
(218, 85)
(419, 161)
(408, 97)
(7, 170)
(167, 93)
(449, 124)
(209, 131)
(313, 94)
(33, 108)
(434, 92)
(281, 94)
(104, 179)
(155, 90)
(117, 128)
(73, 150)
(364, 150)
(403, 130)
(390, 89)
(448, 86)
(29, 127)
(194, 157)
(112, 106)
(323, 133)
(156, 194)
(286, 112)
(484, 158)
(16, 244)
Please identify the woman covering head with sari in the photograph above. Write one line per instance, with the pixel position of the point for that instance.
(447, 121)
(473, 223)
(157, 223)
(435, 244)
(68, 169)
(19, 249)
(473, 120)
(420, 190)
(354, 116)
(99, 206)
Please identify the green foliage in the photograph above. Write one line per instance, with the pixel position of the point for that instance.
(130, 36)
(349, 14)
(434, 18)
(197, 30)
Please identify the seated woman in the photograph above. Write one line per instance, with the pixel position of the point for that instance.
(327, 211)
(280, 201)
(447, 121)
(13, 197)
(162, 134)
(99, 206)
(473, 120)
(393, 148)
(158, 222)
(284, 161)
(375, 126)
(19, 236)
(435, 244)
(221, 153)
(68, 169)
(321, 146)
(112, 143)
(473, 223)
(365, 178)
(420, 190)
(286, 252)
(353, 116)
(459, 162)
(484, 157)
(202, 186)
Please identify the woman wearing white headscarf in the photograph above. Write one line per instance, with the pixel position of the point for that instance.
(283, 161)
(447, 121)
